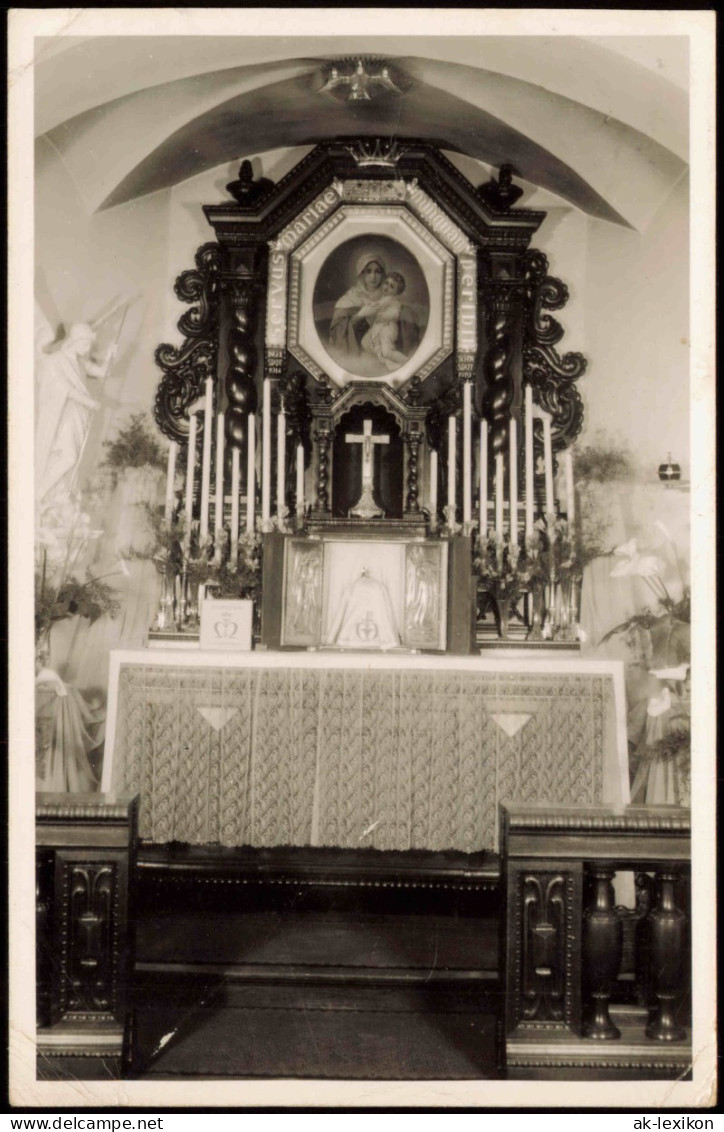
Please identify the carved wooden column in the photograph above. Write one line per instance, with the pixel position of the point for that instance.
(602, 949)
(242, 304)
(501, 298)
(667, 925)
(412, 441)
(323, 437)
(92, 839)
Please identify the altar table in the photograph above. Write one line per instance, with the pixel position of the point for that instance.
(353, 750)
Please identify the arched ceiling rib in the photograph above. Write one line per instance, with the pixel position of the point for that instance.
(157, 135)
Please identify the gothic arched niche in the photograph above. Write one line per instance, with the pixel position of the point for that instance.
(388, 461)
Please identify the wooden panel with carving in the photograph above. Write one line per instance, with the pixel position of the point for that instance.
(543, 972)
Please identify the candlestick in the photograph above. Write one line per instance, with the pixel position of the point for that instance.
(281, 461)
(529, 464)
(170, 480)
(513, 480)
(570, 493)
(206, 457)
(300, 480)
(190, 467)
(235, 477)
(483, 478)
(467, 453)
(433, 485)
(219, 509)
(451, 465)
(250, 471)
(266, 453)
(548, 460)
(499, 494)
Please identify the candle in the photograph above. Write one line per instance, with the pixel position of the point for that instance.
(190, 466)
(483, 478)
(250, 471)
(451, 462)
(548, 460)
(300, 479)
(570, 494)
(266, 453)
(235, 475)
(499, 494)
(281, 461)
(433, 485)
(513, 480)
(219, 509)
(467, 452)
(529, 464)
(170, 480)
(206, 457)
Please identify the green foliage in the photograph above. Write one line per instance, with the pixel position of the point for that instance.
(674, 745)
(135, 446)
(602, 463)
(92, 599)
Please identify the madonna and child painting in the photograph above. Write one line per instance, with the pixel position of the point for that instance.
(371, 305)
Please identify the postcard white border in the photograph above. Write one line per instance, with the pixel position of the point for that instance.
(23, 26)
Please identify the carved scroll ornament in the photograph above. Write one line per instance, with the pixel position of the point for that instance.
(186, 367)
(551, 374)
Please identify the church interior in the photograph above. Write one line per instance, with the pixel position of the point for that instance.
(362, 550)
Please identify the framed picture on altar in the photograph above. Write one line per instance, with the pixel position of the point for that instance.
(371, 297)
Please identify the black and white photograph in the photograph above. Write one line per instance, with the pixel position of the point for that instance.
(361, 553)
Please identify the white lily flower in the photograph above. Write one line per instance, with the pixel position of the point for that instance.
(678, 673)
(627, 549)
(657, 705)
(646, 566)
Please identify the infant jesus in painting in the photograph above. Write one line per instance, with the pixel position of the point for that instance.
(384, 315)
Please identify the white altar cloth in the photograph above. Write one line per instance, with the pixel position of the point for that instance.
(350, 749)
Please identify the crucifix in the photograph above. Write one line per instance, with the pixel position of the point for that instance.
(365, 507)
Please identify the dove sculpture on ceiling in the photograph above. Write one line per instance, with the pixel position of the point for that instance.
(359, 85)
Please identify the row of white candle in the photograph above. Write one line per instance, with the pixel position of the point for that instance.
(531, 412)
(205, 405)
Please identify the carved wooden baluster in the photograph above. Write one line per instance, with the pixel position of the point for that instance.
(602, 951)
(323, 437)
(413, 444)
(667, 925)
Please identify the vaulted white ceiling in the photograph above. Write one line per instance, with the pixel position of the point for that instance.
(602, 124)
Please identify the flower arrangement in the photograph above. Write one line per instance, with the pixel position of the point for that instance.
(193, 566)
(602, 462)
(62, 542)
(135, 446)
(546, 565)
(231, 575)
(659, 642)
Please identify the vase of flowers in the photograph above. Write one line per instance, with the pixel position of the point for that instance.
(505, 575)
(659, 643)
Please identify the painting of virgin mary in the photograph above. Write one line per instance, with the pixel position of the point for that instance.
(378, 320)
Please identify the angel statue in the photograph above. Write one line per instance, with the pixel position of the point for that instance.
(64, 409)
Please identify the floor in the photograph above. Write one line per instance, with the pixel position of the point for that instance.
(315, 989)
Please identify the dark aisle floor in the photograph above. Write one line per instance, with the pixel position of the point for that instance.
(327, 994)
(335, 1032)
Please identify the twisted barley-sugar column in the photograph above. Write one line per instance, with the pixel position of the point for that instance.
(240, 385)
(497, 368)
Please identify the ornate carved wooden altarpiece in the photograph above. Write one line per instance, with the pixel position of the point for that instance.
(456, 321)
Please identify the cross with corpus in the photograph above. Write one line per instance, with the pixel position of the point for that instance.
(365, 507)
